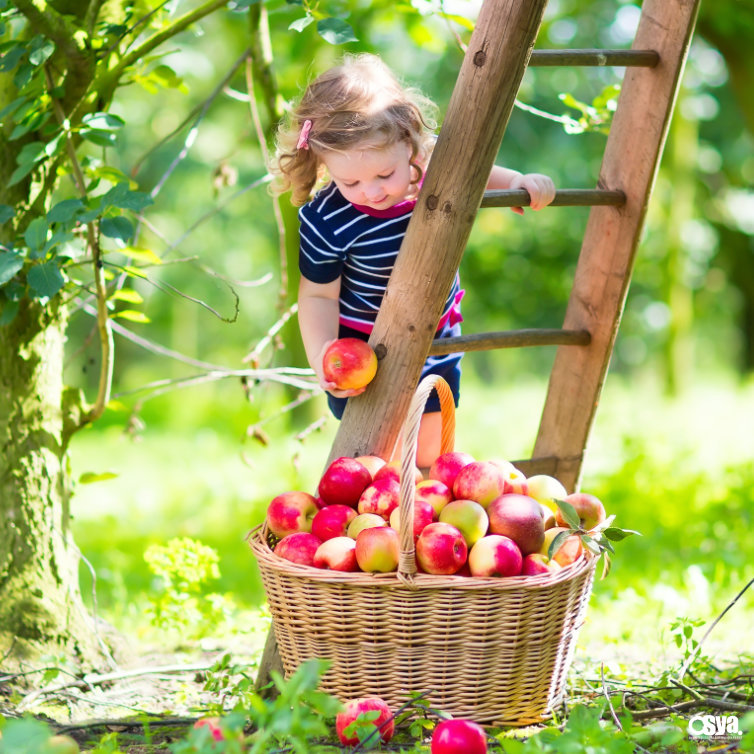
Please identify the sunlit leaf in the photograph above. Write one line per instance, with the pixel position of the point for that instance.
(103, 121)
(301, 23)
(10, 264)
(132, 316)
(335, 31)
(569, 514)
(90, 476)
(141, 255)
(128, 295)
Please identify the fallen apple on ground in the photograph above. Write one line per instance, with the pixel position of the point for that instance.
(365, 707)
(458, 736)
(349, 363)
(213, 725)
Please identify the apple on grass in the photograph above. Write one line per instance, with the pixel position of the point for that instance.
(480, 481)
(380, 497)
(589, 509)
(298, 548)
(424, 514)
(434, 492)
(569, 550)
(495, 555)
(337, 554)
(332, 521)
(458, 736)
(213, 726)
(343, 482)
(364, 521)
(546, 489)
(291, 512)
(369, 712)
(378, 549)
(520, 518)
(441, 549)
(446, 466)
(349, 363)
(469, 517)
(392, 470)
(536, 563)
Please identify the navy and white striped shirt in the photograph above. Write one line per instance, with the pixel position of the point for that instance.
(359, 245)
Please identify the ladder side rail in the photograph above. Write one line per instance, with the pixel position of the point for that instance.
(456, 176)
(603, 271)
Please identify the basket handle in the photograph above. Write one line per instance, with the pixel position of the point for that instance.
(407, 559)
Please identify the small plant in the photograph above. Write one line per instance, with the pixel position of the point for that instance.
(183, 567)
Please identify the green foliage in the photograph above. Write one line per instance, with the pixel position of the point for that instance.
(183, 567)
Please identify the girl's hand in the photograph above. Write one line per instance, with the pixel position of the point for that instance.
(331, 387)
(540, 188)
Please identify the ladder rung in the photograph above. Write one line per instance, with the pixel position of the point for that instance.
(510, 339)
(563, 198)
(645, 58)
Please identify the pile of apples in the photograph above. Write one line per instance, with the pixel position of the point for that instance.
(471, 518)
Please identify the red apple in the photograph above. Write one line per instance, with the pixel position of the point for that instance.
(424, 514)
(568, 552)
(337, 554)
(495, 555)
(434, 492)
(290, 512)
(468, 517)
(213, 725)
(372, 463)
(378, 549)
(298, 548)
(446, 467)
(589, 509)
(343, 482)
(380, 497)
(458, 737)
(349, 363)
(441, 549)
(545, 489)
(536, 563)
(392, 470)
(481, 481)
(520, 518)
(332, 521)
(356, 707)
(364, 521)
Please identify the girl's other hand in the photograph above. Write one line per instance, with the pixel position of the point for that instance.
(540, 188)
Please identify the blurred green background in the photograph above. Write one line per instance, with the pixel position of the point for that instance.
(671, 449)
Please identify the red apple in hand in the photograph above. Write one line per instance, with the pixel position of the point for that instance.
(441, 549)
(458, 737)
(353, 709)
(343, 482)
(378, 549)
(520, 518)
(446, 466)
(332, 521)
(349, 363)
(588, 508)
(298, 548)
(337, 554)
(380, 497)
(495, 555)
(290, 512)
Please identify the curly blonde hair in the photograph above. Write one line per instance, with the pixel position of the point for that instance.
(358, 103)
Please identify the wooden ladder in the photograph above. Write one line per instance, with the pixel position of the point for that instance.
(454, 189)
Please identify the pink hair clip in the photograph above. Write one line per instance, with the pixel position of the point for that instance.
(303, 137)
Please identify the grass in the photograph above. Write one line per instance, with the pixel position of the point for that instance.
(678, 471)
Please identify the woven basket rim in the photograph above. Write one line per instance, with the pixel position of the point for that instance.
(257, 540)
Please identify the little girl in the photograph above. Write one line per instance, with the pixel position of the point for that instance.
(365, 141)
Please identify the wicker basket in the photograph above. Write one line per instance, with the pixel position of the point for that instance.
(495, 650)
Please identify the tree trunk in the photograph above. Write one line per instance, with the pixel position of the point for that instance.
(41, 610)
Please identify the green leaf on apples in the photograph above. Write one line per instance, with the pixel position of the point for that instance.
(606, 565)
(569, 514)
(590, 544)
(363, 726)
(558, 541)
(615, 534)
(602, 525)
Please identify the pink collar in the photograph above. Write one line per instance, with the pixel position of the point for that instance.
(401, 208)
